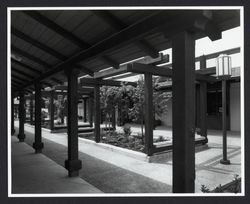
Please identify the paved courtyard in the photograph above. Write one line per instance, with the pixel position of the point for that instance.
(112, 172)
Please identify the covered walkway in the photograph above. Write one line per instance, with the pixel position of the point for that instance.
(36, 173)
(112, 172)
(52, 47)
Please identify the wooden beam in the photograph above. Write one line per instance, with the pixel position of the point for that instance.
(130, 34)
(56, 80)
(32, 69)
(123, 68)
(110, 62)
(64, 33)
(216, 54)
(207, 71)
(20, 72)
(37, 44)
(31, 57)
(46, 48)
(56, 28)
(93, 82)
(80, 89)
(206, 24)
(142, 69)
(46, 84)
(183, 112)
(18, 82)
(22, 79)
(118, 25)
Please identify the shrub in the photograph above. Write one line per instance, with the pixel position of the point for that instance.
(127, 130)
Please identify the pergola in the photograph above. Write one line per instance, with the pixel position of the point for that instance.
(54, 46)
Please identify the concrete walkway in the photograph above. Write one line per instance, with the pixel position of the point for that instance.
(112, 172)
(36, 173)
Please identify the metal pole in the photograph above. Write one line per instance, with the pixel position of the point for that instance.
(224, 123)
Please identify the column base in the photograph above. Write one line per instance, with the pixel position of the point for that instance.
(73, 167)
(38, 147)
(21, 137)
(226, 162)
(13, 131)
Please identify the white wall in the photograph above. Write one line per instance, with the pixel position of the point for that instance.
(235, 106)
(166, 118)
(80, 109)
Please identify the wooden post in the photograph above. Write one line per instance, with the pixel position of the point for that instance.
(203, 101)
(183, 45)
(197, 106)
(38, 145)
(21, 135)
(85, 110)
(31, 110)
(72, 164)
(90, 109)
(12, 116)
(149, 122)
(97, 113)
(224, 160)
(52, 110)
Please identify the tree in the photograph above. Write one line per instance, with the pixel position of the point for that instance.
(109, 99)
(160, 100)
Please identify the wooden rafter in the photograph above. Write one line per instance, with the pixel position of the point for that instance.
(132, 33)
(45, 48)
(21, 73)
(26, 66)
(96, 82)
(36, 43)
(63, 32)
(22, 79)
(56, 80)
(31, 57)
(118, 25)
(123, 68)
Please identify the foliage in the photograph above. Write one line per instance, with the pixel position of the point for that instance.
(232, 187)
(61, 105)
(132, 101)
(127, 130)
(204, 189)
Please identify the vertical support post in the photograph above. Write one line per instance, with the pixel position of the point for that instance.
(52, 110)
(90, 107)
(149, 122)
(21, 135)
(72, 164)
(85, 110)
(197, 106)
(224, 122)
(31, 110)
(203, 101)
(38, 145)
(12, 116)
(97, 113)
(183, 112)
